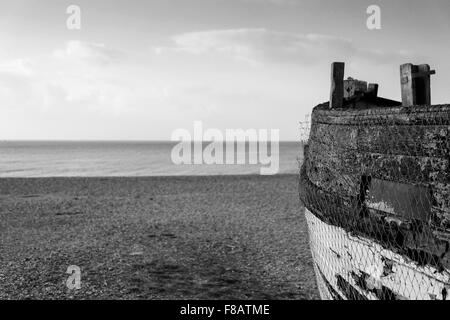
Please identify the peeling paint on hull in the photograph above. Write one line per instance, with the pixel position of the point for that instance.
(349, 268)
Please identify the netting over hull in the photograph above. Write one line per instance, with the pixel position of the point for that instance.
(375, 183)
(357, 268)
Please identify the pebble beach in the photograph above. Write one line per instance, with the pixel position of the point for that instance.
(198, 237)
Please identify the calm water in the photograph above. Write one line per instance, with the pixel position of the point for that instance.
(51, 159)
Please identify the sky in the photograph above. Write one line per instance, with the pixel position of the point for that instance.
(139, 70)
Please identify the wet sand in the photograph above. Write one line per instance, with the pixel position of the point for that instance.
(216, 237)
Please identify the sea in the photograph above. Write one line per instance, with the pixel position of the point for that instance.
(129, 158)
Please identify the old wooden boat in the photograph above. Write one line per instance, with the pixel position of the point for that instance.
(375, 184)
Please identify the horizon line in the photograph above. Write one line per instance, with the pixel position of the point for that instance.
(129, 140)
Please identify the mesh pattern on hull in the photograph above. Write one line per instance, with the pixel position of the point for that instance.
(375, 183)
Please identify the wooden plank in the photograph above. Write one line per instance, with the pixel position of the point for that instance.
(423, 85)
(337, 85)
(422, 74)
(416, 85)
(406, 79)
(354, 87)
(373, 89)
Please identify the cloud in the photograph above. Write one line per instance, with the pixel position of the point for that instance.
(17, 83)
(65, 79)
(17, 67)
(262, 45)
(389, 56)
(90, 52)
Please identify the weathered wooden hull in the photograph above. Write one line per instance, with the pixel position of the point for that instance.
(357, 268)
(376, 187)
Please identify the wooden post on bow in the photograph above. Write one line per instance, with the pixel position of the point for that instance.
(416, 84)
